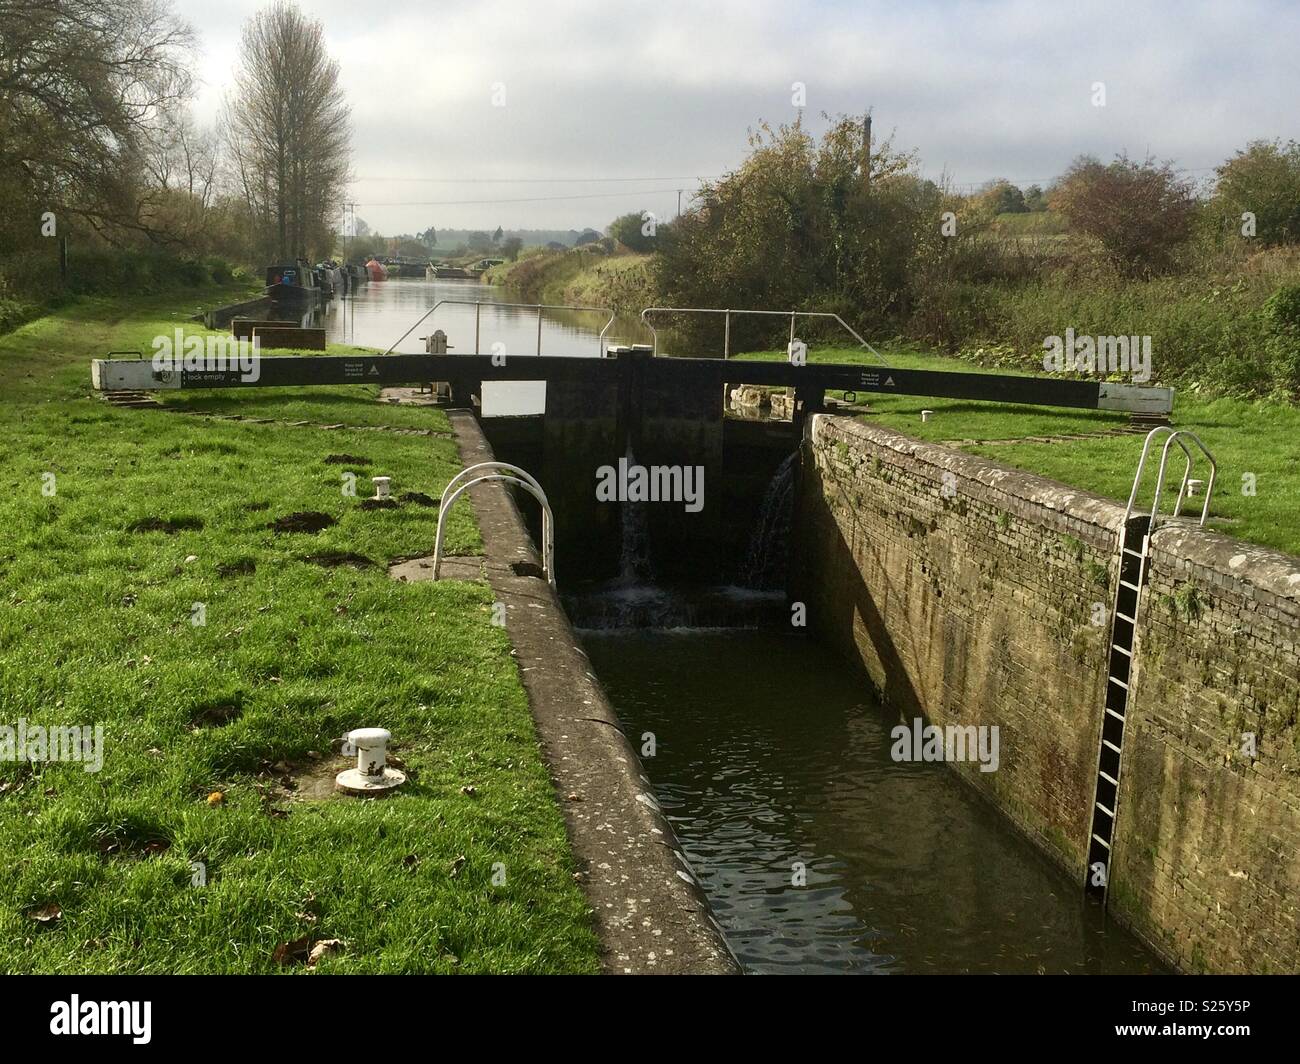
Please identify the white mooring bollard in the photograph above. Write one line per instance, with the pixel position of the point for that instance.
(383, 486)
(372, 773)
(926, 415)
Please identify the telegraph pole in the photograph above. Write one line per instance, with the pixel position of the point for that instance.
(866, 149)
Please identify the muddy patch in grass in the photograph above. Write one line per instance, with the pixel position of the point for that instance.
(311, 780)
(257, 507)
(347, 459)
(419, 498)
(169, 525)
(303, 521)
(239, 567)
(378, 504)
(131, 844)
(216, 714)
(332, 559)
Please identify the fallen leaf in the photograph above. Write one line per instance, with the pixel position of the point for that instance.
(216, 798)
(457, 865)
(323, 948)
(469, 790)
(410, 860)
(46, 913)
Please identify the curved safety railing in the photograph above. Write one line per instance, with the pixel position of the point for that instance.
(478, 306)
(511, 474)
(793, 315)
(1175, 436)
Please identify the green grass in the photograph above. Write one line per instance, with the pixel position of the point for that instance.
(96, 627)
(1246, 437)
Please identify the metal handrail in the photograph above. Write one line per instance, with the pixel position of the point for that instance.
(479, 304)
(515, 475)
(1175, 435)
(726, 334)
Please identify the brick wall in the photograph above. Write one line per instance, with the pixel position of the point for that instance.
(969, 592)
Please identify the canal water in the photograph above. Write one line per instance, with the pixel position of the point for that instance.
(770, 757)
(379, 313)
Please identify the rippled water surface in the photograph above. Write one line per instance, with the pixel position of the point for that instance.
(771, 753)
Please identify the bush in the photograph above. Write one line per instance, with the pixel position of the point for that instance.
(1263, 180)
(30, 283)
(1140, 212)
(1282, 309)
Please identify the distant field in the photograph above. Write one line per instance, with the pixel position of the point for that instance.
(1031, 223)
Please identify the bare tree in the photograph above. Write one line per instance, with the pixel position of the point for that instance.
(289, 129)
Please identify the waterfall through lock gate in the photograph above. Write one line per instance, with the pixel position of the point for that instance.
(766, 562)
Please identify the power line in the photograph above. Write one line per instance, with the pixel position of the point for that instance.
(521, 199)
(533, 180)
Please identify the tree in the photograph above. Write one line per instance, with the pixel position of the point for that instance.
(479, 242)
(587, 236)
(511, 248)
(1263, 180)
(630, 230)
(803, 224)
(496, 237)
(430, 238)
(1002, 197)
(84, 85)
(1035, 200)
(1140, 212)
(290, 129)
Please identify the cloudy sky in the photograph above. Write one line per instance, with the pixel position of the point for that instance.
(612, 106)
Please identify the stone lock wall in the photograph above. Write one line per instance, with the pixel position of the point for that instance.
(1209, 816)
(969, 592)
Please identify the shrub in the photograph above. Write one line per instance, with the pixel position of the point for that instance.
(1265, 181)
(1140, 212)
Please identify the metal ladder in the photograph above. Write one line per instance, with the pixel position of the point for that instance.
(1134, 552)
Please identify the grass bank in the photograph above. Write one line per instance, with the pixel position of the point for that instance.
(122, 530)
(580, 277)
(1253, 441)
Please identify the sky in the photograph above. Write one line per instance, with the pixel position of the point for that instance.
(566, 113)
